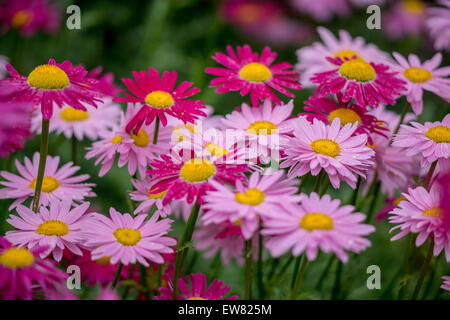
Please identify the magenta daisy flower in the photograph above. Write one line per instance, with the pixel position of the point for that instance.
(446, 283)
(58, 184)
(248, 203)
(147, 200)
(14, 126)
(431, 140)
(438, 24)
(53, 83)
(198, 289)
(248, 73)
(420, 213)
(128, 240)
(322, 10)
(368, 83)
(318, 223)
(23, 272)
(160, 97)
(316, 146)
(422, 76)
(57, 227)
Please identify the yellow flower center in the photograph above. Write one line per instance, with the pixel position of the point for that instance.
(237, 222)
(197, 170)
(252, 197)
(326, 147)
(414, 6)
(417, 75)
(195, 298)
(158, 195)
(398, 200)
(22, 19)
(159, 99)
(127, 236)
(439, 134)
(141, 139)
(116, 140)
(357, 69)
(70, 114)
(104, 260)
(256, 72)
(349, 54)
(435, 212)
(16, 258)
(316, 221)
(215, 150)
(48, 77)
(262, 128)
(345, 115)
(53, 228)
(49, 184)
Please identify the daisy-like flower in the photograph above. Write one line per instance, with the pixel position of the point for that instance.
(248, 73)
(431, 140)
(198, 289)
(446, 283)
(128, 240)
(390, 204)
(160, 97)
(3, 62)
(420, 213)
(313, 59)
(326, 110)
(316, 146)
(105, 81)
(423, 76)
(438, 24)
(56, 227)
(248, 203)
(404, 18)
(147, 200)
(322, 10)
(58, 183)
(23, 272)
(318, 223)
(74, 122)
(136, 150)
(368, 83)
(14, 126)
(53, 83)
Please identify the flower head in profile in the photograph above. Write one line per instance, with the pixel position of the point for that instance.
(247, 72)
(141, 193)
(438, 24)
(14, 126)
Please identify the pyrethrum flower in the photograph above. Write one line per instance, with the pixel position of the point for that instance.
(14, 126)
(318, 223)
(316, 146)
(147, 200)
(438, 23)
(58, 183)
(405, 18)
(56, 227)
(128, 240)
(53, 84)
(248, 73)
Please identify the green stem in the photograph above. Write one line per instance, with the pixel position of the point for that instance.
(74, 149)
(159, 276)
(275, 263)
(373, 203)
(42, 161)
(325, 185)
(143, 273)
(318, 180)
(325, 272)
(295, 273)
(260, 267)
(402, 117)
(248, 269)
(355, 192)
(116, 277)
(425, 267)
(155, 134)
(429, 175)
(299, 278)
(127, 288)
(337, 281)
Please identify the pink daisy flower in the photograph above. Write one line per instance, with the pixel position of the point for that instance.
(422, 76)
(368, 83)
(248, 73)
(390, 204)
(105, 81)
(318, 223)
(128, 240)
(316, 146)
(322, 10)
(445, 283)
(404, 18)
(420, 213)
(198, 289)
(57, 227)
(431, 140)
(313, 59)
(14, 126)
(160, 97)
(23, 272)
(248, 203)
(58, 184)
(53, 83)
(148, 200)
(438, 24)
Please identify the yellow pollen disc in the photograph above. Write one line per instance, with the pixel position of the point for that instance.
(357, 69)
(141, 139)
(316, 221)
(417, 75)
(262, 128)
(197, 170)
(159, 99)
(215, 150)
(104, 260)
(345, 115)
(70, 114)
(53, 228)
(371, 145)
(435, 212)
(116, 140)
(158, 195)
(398, 200)
(128, 237)
(349, 54)
(48, 77)
(16, 258)
(252, 197)
(195, 298)
(326, 147)
(22, 19)
(414, 6)
(49, 184)
(238, 222)
(256, 72)
(439, 134)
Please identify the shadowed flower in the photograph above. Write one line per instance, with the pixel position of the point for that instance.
(438, 23)
(14, 126)
(322, 10)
